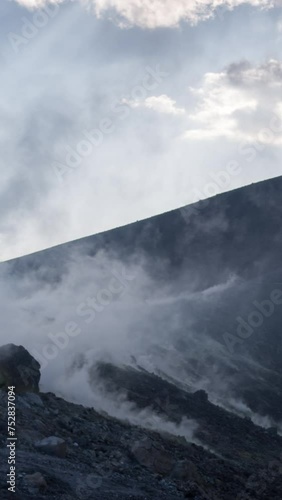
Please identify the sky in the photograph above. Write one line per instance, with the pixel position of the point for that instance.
(112, 111)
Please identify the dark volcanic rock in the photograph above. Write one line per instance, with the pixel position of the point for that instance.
(201, 396)
(18, 368)
(108, 459)
(153, 457)
(119, 461)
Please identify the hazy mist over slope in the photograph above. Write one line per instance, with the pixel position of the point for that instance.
(168, 295)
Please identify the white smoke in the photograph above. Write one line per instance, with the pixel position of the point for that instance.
(48, 311)
(83, 310)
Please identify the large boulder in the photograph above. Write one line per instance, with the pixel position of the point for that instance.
(36, 483)
(185, 470)
(152, 456)
(52, 446)
(19, 369)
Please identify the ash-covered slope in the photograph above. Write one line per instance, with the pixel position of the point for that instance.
(188, 303)
(204, 305)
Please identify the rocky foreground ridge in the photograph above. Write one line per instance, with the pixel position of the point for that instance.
(66, 451)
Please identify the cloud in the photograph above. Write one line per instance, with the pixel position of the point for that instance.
(33, 4)
(159, 13)
(160, 104)
(239, 103)
(144, 167)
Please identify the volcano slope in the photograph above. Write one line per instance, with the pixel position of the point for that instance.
(194, 332)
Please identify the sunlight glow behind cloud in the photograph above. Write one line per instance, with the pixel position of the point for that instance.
(158, 13)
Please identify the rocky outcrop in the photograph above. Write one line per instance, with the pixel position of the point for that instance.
(18, 368)
(224, 432)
